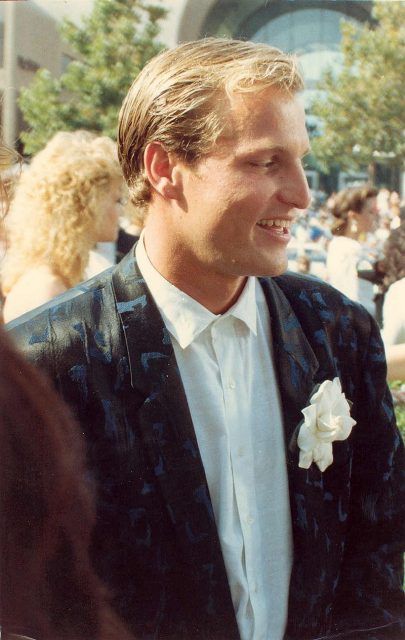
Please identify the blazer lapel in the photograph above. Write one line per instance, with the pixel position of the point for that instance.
(168, 432)
(165, 417)
(298, 373)
(296, 363)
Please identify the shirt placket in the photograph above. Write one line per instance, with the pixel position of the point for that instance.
(232, 368)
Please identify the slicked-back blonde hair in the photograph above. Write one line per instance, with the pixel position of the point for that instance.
(57, 208)
(179, 99)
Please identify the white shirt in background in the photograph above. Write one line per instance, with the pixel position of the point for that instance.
(227, 369)
(345, 256)
(102, 257)
(393, 331)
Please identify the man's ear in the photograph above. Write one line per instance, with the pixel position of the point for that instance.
(161, 170)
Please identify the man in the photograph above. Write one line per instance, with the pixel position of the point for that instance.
(218, 515)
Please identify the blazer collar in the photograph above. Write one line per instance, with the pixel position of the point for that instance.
(167, 430)
(147, 340)
(295, 361)
(153, 369)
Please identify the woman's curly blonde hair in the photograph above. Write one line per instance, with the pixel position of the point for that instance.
(9, 167)
(57, 207)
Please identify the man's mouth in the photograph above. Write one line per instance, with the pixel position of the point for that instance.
(278, 224)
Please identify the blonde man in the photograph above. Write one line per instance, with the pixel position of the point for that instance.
(189, 365)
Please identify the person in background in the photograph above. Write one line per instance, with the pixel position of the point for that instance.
(303, 263)
(396, 361)
(395, 209)
(355, 213)
(10, 167)
(222, 514)
(130, 229)
(393, 331)
(66, 201)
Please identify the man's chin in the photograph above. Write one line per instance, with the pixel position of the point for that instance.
(274, 269)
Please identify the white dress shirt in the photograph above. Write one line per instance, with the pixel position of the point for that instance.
(226, 366)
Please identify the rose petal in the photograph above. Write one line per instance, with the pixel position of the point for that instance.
(346, 428)
(323, 455)
(305, 459)
(310, 414)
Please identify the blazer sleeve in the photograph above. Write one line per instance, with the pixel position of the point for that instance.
(371, 581)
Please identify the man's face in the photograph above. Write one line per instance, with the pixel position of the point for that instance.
(239, 201)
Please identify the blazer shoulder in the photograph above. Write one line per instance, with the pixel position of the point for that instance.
(306, 292)
(325, 314)
(67, 320)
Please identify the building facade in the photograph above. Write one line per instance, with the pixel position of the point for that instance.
(29, 40)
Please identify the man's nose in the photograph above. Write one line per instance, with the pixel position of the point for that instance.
(296, 190)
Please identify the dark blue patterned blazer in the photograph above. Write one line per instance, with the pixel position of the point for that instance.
(155, 543)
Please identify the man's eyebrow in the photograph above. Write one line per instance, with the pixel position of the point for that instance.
(282, 149)
(267, 149)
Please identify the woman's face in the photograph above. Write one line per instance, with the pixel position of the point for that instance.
(112, 209)
(368, 218)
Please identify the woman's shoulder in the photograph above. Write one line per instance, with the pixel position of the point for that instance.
(397, 286)
(394, 294)
(36, 286)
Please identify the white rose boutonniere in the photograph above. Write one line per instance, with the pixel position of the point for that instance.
(326, 419)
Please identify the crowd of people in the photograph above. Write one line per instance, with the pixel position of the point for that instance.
(216, 456)
(362, 240)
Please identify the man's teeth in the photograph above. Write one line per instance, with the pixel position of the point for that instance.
(285, 224)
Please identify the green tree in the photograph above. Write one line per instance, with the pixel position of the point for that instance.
(361, 110)
(114, 43)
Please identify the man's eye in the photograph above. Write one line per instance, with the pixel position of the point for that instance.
(265, 165)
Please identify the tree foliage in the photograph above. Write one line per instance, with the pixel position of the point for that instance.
(114, 43)
(361, 110)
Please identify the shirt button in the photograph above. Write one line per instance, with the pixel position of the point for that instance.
(231, 384)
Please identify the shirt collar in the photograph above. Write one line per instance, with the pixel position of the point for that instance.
(184, 317)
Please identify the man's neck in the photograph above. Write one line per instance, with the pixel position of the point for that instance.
(215, 291)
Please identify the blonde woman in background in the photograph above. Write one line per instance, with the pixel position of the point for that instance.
(65, 202)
